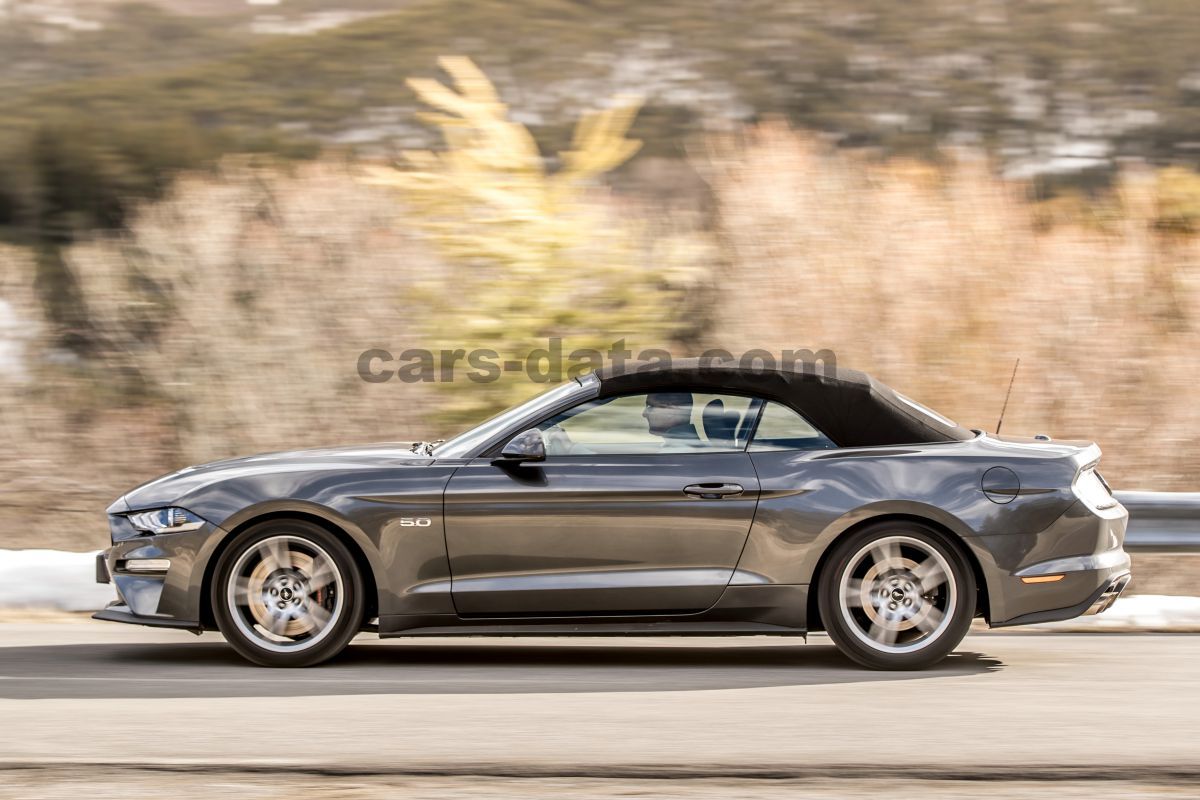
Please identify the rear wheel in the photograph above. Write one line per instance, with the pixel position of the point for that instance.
(287, 594)
(897, 595)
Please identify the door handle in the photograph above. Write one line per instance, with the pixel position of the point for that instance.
(713, 491)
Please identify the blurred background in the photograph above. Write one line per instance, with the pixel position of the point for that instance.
(210, 208)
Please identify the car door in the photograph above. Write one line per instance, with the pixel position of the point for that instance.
(626, 515)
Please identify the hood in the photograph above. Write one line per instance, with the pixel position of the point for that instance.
(176, 485)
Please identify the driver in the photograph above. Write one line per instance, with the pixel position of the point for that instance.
(669, 415)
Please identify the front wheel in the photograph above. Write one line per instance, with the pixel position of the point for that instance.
(897, 596)
(287, 594)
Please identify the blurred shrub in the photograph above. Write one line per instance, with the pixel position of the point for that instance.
(1178, 199)
(226, 319)
(937, 279)
(240, 304)
(533, 252)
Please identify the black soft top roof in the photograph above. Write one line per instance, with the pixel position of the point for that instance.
(850, 407)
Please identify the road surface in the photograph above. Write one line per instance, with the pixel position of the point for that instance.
(113, 704)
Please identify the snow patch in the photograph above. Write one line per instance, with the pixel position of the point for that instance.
(52, 579)
(1142, 612)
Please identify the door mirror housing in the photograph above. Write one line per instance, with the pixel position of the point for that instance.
(525, 446)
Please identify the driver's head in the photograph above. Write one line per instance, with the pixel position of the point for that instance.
(665, 410)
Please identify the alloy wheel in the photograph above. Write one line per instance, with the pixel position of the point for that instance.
(285, 594)
(897, 594)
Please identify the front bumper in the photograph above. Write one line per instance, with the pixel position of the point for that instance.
(169, 595)
(119, 612)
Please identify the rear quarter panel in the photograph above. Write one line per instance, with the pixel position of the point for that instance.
(811, 498)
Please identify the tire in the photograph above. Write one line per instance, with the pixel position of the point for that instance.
(287, 593)
(871, 599)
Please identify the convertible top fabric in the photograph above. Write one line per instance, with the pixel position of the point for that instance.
(850, 407)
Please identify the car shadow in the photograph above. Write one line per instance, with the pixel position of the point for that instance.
(213, 669)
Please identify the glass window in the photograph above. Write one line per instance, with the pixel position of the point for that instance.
(781, 428)
(468, 441)
(658, 422)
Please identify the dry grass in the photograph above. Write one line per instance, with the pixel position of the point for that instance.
(260, 290)
(228, 320)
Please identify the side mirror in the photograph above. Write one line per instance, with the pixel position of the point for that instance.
(525, 446)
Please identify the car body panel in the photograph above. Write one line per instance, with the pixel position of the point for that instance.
(810, 498)
(596, 534)
(468, 544)
(364, 493)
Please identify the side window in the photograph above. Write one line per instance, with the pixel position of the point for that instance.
(645, 424)
(781, 428)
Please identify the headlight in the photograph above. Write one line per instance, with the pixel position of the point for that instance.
(1091, 489)
(165, 520)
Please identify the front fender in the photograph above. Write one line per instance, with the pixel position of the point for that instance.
(338, 523)
(373, 509)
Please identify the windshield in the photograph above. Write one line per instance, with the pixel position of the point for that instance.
(466, 443)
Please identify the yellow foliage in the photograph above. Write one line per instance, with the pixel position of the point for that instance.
(1178, 200)
(533, 252)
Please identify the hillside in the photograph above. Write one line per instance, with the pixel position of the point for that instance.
(96, 114)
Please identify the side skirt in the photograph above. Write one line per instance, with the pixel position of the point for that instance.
(757, 610)
(602, 629)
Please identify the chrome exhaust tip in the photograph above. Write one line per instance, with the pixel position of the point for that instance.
(1109, 595)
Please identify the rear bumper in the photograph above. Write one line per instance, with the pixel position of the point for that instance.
(1076, 566)
(1098, 602)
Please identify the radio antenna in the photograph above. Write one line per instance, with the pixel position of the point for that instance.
(1011, 381)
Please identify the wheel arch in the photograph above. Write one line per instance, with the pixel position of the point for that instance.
(982, 605)
(365, 566)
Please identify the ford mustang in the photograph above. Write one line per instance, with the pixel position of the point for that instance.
(690, 499)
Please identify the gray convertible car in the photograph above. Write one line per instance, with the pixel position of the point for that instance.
(695, 499)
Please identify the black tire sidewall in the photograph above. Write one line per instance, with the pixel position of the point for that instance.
(344, 628)
(837, 627)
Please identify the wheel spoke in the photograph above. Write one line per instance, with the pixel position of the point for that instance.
(854, 593)
(929, 620)
(277, 623)
(319, 616)
(887, 555)
(245, 589)
(930, 574)
(275, 554)
(884, 634)
(322, 574)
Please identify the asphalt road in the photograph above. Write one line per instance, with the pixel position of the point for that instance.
(97, 697)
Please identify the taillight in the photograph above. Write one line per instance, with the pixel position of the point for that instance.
(1093, 491)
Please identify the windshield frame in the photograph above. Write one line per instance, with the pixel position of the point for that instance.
(473, 441)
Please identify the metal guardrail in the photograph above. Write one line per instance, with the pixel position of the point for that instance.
(1162, 522)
